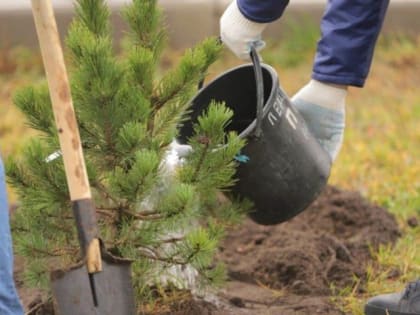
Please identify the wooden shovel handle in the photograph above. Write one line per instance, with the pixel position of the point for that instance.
(68, 131)
(62, 103)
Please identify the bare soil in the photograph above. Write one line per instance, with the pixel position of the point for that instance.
(290, 268)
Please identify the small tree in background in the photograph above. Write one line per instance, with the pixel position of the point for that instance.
(128, 114)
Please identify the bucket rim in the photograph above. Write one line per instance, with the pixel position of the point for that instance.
(274, 87)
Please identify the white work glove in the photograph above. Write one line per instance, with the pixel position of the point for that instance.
(323, 108)
(238, 33)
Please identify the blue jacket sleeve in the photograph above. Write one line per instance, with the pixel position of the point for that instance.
(262, 11)
(349, 33)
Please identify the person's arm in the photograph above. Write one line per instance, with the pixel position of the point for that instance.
(262, 11)
(349, 31)
(243, 22)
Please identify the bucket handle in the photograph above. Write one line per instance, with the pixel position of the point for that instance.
(260, 89)
(259, 85)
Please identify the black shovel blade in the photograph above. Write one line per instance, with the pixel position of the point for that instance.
(72, 289)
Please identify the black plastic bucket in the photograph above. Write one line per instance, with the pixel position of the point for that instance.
(285, 168)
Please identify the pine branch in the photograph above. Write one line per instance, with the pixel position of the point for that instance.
(172, 240)
(108, 212)
(17, 176)
(150, 253)
(44, 252)
(34, 308)
(35, 104)
(142, 65)
(95, 15)
(188, 74)
(135, 182)
(143, 216)
(104, 191)
(145, 23)
(206, 141)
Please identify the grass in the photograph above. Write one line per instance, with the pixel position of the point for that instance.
(380, 156)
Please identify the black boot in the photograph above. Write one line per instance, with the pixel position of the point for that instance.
(403, 303)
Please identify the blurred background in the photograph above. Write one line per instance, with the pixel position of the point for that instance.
(190, 20)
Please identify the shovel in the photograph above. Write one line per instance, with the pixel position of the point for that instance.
(100, 284)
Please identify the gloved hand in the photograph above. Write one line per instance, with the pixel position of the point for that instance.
(238, 33)
(323, 108)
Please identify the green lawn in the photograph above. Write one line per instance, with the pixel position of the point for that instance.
(380, 157)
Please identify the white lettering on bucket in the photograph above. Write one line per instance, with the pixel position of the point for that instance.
(272, 118)
(291, 118)
(278, 105)
(279, 109)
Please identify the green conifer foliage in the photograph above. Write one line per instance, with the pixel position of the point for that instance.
(128, 114)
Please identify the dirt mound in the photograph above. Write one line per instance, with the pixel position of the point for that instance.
(289, 268)
(327, 244)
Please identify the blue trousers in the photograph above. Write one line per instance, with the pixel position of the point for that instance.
(349, 30)
(9, 300)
